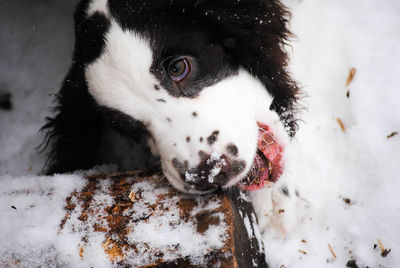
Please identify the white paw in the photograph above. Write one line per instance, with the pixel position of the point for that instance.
(279, 208)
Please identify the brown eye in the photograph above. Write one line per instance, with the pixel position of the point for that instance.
(179, 69)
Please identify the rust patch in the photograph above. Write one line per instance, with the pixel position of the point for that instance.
(68, 207)
(132, 196)
(116, 224)
(98, 228)
(204, 220)
(114, 252)
(185, 207)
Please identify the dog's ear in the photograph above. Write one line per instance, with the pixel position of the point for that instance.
(255, 32)
(73, 133)
(89, 34)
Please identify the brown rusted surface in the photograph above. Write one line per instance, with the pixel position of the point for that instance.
(204, 220)
(113, 250)
(185, 206)
(117, 219)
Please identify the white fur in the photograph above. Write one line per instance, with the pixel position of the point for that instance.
(121, 79)
(277, 213)
(98, 6)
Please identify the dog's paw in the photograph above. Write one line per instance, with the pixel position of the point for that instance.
(279, 209)
(289, 209)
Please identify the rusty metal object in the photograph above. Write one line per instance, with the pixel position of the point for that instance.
(134, 201)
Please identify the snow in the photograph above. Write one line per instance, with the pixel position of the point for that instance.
(257, 232)
(217, 162)
(36, 229)
(35, 51)
(361, 162)
(191, 177)
(31, 209)
(329, 164)
(165, 229)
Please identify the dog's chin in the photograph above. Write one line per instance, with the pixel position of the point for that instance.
(191, 189)
(265, 169)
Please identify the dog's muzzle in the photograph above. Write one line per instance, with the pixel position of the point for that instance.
(212, 173)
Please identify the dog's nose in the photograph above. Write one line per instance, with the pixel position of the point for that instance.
(212, 172)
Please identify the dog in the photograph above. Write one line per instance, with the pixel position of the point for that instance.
(204, 84)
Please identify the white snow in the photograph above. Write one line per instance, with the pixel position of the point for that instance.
(164, 230)
(31, 209)
(35, 52)
(191, 177)
(218, 162)
(33, 232)
(215, 161)
(360, 164)
(257, 232)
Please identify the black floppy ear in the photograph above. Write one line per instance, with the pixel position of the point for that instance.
(73, 134)
(254, 32)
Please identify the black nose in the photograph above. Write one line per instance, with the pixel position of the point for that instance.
(211, 173)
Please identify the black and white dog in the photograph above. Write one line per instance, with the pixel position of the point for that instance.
(204, 80)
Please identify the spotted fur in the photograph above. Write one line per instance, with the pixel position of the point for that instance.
(206, 123)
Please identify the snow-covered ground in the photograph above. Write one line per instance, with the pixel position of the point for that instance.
(349, 177)
(361, 163)
(36, 42)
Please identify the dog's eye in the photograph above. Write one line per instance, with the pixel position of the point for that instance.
(179, 69)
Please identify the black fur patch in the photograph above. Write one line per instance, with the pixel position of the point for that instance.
(180, 167)
(74, 133)
(237, 166)
(123, 123)
(218, 37)
(232, 149)
(89, 34)
(175, 29)
(285, 191)
(202, 154)
(213, 137)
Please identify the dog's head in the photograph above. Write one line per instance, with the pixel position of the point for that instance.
(206, 78)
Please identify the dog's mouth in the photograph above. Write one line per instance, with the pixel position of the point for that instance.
(267, 165)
